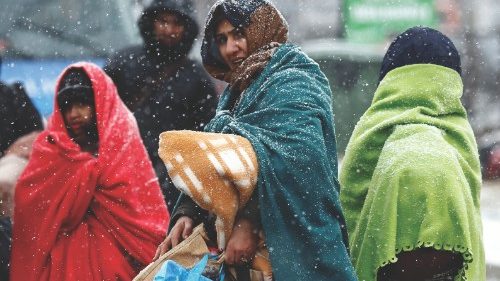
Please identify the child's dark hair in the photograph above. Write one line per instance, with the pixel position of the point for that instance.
(75, 87)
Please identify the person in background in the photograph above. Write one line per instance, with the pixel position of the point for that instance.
(20, 123)
(88, 205)
(280, 102)
(411, 179)
(158, 82)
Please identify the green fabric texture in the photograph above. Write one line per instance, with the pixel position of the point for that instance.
(286, 114)
(411, 176)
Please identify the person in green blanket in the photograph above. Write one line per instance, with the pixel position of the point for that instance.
(411, 179)
(280, 101)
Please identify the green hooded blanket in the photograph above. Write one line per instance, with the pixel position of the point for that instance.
(286, 115)
(411, 175)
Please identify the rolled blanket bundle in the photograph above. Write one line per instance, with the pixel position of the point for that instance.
(219, 172)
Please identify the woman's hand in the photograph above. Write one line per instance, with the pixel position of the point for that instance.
(242, 244)
(181, 230)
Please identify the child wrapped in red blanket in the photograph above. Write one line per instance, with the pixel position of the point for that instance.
(88, 206)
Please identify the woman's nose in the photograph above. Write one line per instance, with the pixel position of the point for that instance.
(232, 45)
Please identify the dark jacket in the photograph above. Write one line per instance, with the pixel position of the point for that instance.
(162, 87)
(18, 115)
(5, 234)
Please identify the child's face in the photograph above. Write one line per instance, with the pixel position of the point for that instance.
(80, 121)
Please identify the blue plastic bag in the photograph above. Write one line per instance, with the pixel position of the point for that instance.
(172, 271)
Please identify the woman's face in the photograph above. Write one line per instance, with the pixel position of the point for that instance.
(232, 43)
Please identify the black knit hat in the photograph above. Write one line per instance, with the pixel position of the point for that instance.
(420, 45)
(75, 86)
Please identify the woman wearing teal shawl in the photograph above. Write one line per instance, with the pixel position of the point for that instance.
(411, 177)
(280, 101)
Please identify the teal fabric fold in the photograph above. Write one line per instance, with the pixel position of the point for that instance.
(286, 114)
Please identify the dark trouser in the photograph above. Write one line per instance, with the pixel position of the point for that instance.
(5, 234)
(423, 264)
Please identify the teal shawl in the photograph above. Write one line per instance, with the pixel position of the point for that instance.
(411, 175)
(286, 114)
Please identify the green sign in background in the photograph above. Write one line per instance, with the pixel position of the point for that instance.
(372, 21)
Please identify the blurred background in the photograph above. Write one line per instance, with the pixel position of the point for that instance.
(347, 38)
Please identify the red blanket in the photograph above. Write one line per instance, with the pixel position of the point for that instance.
(79, 217)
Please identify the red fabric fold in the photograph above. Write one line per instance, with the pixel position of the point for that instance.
(79, 217)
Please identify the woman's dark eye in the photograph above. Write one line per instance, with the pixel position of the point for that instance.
(220, 40)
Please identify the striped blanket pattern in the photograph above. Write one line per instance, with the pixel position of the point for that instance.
(218, 171)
